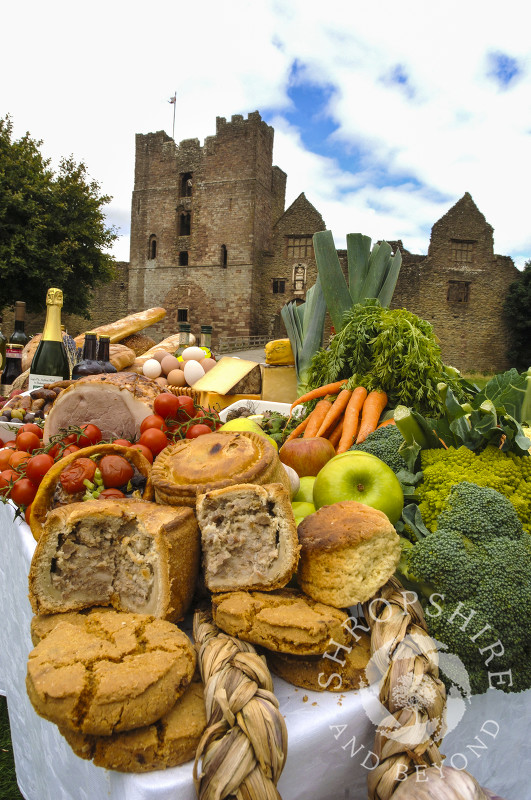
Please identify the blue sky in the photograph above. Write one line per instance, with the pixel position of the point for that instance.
(385, 114)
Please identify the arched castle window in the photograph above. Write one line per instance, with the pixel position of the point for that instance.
(223, 255)
(186, 184)
(183, 258)
(152, 246)
(299, 277)
(184, 223)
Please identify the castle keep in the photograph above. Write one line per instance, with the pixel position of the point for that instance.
(212, 242)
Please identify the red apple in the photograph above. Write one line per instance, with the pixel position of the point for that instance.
(307, 456)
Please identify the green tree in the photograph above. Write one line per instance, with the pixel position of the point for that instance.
(517, 311)
(52, 227)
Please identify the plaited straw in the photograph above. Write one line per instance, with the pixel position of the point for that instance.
(406, 659)
(244, 747)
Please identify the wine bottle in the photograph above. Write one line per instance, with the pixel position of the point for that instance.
(12, 369)
(184, 338)
(3, 342)
(19, 335)
(88, 364)
(103, 355)
(50, 362)
(205, 341)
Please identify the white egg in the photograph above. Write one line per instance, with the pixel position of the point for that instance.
(193, 353)
(152, 368)
(192, 372)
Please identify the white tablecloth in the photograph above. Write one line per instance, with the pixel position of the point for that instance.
(322, 760)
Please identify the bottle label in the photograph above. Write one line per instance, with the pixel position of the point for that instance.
(13, 352)
(38, 381)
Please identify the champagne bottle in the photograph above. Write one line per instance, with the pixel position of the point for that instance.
(103, 354)
(88, 364)
(19, 335)
(50, 362)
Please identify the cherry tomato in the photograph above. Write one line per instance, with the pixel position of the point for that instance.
(18, 458)
(146, 452)
(32, 427)
(153, 421)
(91, 435)
(5, 455)
(115, 471)
(7, 476)
(37, 467)
(70, 439)
(26, 440)
(166, 404)
(23, 492)
(55, 450)
(27, 513)
(110, 493)
(155, 439)
(122, 442)
(197, 430)
(72, 448)
(186, 408)
(74, 474)
(11, 443)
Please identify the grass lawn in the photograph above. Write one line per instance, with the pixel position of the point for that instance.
(8, 783)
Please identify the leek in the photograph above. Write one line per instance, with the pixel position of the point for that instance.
(305, 328)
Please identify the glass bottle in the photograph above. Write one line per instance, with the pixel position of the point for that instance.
(184, 338)
(89, 364)
(205, 341)
(50, 362)
(19, 335)
(103, 355)
(13, 368)
(3, 342)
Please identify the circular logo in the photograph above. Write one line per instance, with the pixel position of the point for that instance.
(430, 717)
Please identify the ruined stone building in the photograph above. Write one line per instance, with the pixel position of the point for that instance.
(212, 242)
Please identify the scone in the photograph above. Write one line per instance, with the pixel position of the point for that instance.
(130, 554)
(248, 537)
(285, 621)
(171, 741)
(116, 672)
(342, 672)
(348, 551)
(191, 467)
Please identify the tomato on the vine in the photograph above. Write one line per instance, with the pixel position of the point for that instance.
(23, 492)
(73, 476)
(111, 492)
(5, 455)
(155, 439)
(146, 452)
(197, 430)
(72, 448)
(37, 466)
(186, 409)
(166, 404)
(26, 440)
(90, 435)
(18, 458)
(153, 421)
(7, 476)
(122, 442)
(31, 427)
(115, 471)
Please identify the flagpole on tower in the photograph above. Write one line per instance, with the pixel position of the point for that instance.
(173, 100)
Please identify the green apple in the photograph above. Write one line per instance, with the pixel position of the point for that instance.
(362, 477)
(301, 510)
(305, 493)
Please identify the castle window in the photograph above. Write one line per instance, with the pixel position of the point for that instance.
(186, 184)
(458, 291)
(299, 278)
(298, 247)
(223, 255)
(152, 246)
(279, 285)
(183, 258)
(184, 223)
(182, 315)
(463, 251)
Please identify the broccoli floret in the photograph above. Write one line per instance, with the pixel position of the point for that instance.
(507, 473)
(477, 564)
(384, 443)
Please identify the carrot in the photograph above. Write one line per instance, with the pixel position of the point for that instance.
(335, 436)
(352, 418)
(335, 412)
(298, 430)
(316, 417)
(321, 391)
(370, 414)
(386, 422)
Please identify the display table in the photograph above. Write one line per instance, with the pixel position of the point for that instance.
(324, 761)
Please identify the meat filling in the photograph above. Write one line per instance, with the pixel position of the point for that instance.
(102, 560)
(241, 538)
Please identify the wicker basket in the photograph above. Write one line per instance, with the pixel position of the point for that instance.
(187, 391)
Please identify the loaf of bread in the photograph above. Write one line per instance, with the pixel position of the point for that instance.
(170, 345)
(139, 343)
(249, 537)
(348, 551)
(132, 555)
(125, 327)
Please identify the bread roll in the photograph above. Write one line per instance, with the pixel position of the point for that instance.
(121, 356)
(139, 343)
(348, 550)
(133, 555)
(249, 537)
(125, 327)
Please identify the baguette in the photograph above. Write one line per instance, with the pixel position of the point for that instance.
(170, 344)
(125, 327)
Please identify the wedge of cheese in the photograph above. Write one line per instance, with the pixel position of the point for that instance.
(231, 376)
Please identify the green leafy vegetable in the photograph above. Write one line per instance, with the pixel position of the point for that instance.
(305, 327)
